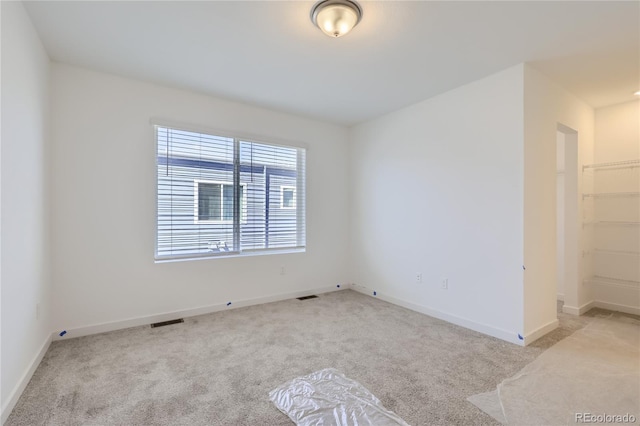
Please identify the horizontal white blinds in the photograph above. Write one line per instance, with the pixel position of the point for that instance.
(273, 175)
(218, 195)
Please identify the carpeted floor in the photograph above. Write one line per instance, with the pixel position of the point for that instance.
(218, 369)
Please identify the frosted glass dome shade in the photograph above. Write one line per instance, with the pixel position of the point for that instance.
(336, 17)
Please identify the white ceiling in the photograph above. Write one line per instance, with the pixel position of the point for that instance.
(268, 53)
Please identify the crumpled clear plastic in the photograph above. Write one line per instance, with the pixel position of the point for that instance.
(328, 397)
(595, 371)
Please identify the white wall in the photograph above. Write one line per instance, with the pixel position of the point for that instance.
(24, 211)
(103, 203)
(437, 188)
(546, 106)
(617, 136)
(616, 259)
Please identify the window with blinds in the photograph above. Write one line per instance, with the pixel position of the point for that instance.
(224, 195)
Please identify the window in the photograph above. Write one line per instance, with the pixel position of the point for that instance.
(213, 202)
(220, 195)
(287, 197)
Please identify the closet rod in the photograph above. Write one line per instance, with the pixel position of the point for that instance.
(612, 223)
(611, 194)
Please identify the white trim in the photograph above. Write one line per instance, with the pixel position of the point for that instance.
(185, 313)
(24, 380)
(603, 305)
(509, 336)
(301, 192)
(154, 128)
(635, 310)
(282, 189)
(540, 331)
(560, 297)
(229, 254)
(573, 310)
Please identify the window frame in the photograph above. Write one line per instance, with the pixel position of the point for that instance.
(196, 203)
(301, 188)
(282, 189)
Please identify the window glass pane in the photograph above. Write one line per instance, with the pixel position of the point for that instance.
(208, 201)
(274, 218)
(190, 168)
(288, 198)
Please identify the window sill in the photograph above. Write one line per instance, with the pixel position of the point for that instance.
(246, 253)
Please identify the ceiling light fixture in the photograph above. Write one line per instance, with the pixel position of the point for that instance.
(336, 17)
(637, 93)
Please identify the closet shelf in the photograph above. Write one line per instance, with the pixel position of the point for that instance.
(612, 252)
(614, 282)
(627, 163)
(611, 194)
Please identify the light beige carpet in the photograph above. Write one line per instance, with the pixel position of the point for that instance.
(593, 372)
(218, 369)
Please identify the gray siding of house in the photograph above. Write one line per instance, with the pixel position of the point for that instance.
(179, 232)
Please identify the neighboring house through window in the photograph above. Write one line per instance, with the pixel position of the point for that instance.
(213, 202)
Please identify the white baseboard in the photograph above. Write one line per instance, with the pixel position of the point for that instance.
(577, 310)
(509, 336)
(617, 307)
(600, 304)
(24, 380)
(146, 320)
(540, 331)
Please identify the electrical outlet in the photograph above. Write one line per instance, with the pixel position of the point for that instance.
(444, 283)
(419, 277)
(282, 270)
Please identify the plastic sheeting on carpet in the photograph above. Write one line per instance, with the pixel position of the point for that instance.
(596, 370)
(327, 397)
